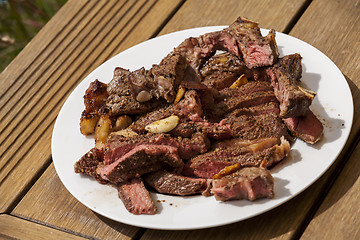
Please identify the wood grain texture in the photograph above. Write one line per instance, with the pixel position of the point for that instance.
(288, 220)
(94, 32)
(30, 230)
(49, 203)
(276, 14)
(339, 215)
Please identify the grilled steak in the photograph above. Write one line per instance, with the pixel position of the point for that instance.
(256, 50)
(140, 160)
(89, 162)
(172, 183)
(250, 94)
(224, 137)
(117, 146)
(258, 153)
(136, 198)
(308, 128)
(247, 183)
(122, 98)
(284, 76)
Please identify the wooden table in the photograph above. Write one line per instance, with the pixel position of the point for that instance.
(83, 34)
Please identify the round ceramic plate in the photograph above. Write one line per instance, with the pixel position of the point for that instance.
(305, 164)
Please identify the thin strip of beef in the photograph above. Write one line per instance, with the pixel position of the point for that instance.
(308, 128)
(256, 50)
(89, 162)
(136, 198)
(259, 153)
(247, 183)
(122, 98)
(255, 126)
(140, 160)
(284, 76)
(117, 146)
(251, 94)
(173, 183)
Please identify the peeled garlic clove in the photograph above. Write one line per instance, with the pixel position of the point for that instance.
(143, 96)
(163, 125)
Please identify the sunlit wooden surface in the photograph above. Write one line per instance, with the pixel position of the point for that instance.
(83, 34)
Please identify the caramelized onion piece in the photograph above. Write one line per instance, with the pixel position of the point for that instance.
(242, 80)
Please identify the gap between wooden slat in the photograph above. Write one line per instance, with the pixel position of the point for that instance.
(36, 103)
(31, 90)
(17, 83)
(56, 110)
(296, 17)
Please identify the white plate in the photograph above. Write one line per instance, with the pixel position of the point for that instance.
(304, 166)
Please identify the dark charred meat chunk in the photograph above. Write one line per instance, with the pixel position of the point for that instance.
(173, 183)
(246, 183)
(284, 76)
(140, 160)
(89, 163)
(256, 50)
(95, 97)
(122, 98)
(136, 198)
(251, 94)
(308, 128)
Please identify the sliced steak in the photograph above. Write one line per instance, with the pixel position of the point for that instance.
(258, 153)
(136, 198)
(255, 126)
(308, 128)
(247, 183)
(89, 163)
(284, 76)
(256, 50)
(140, 160)
(251, 94)
(95, 97)
(173, 183)
(117, 146)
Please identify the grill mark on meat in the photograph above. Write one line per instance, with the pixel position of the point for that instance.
(246, 183)
(136, 198)
(172, 183)
(140, 160)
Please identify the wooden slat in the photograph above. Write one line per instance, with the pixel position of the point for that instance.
(104, 28)
(49, 203)
(339, 215)
(288, 220)
(276, 14)
(30, 230)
